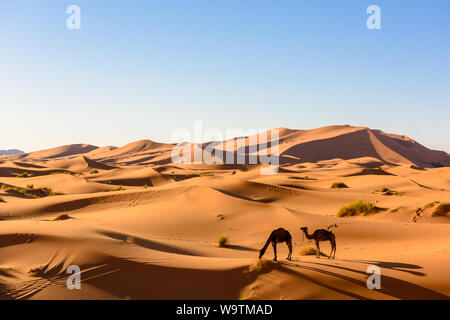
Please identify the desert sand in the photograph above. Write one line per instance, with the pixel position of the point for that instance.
(142, 227)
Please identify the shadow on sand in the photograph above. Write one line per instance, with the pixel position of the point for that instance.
(391, 286)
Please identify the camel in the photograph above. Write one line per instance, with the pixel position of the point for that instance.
(322, 235)
(278, 236)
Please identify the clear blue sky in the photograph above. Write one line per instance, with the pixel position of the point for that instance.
(140, 69)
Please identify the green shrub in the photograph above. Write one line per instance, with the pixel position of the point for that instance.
(442, 210)
(222, 241)
(338, 185)
(359, 207)
(30, 186)
(94, 171)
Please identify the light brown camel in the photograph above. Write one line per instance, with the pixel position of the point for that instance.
(322, 235)
(278, 236)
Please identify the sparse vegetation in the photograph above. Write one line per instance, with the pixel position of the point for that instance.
(338, 185)
(442, 210)
(307, 251)
(2, 200)
(62, 217)
(94, 171)
(120, 188)
(388, 192)
(61, 172)
(431, 204)
(145, 186)
(36, 271)
(30, 192)
(30, 186)
(359, 207)
(303, 178)
(222, 241)
(260, 265)
(24, 175)
(307, 178)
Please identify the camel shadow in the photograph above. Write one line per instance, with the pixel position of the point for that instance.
(397, 266)
(391, 286)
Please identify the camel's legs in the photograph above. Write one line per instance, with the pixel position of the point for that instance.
(317, 250)
(289, 244)
(274, 245)
(334, 246)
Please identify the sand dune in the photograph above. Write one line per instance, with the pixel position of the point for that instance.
(63, 151)
(141, 227)
(77, 164)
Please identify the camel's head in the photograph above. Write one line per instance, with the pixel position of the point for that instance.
(304, 229)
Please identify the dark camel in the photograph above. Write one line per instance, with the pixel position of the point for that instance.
(322, 235)
(278, 236)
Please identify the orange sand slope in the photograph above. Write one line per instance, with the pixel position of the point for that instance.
(142, 227)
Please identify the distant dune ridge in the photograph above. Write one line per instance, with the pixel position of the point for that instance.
(142, 227)
(295, 146)
(10, 152)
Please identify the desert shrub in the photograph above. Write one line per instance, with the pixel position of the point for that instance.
(15, 190)
(24, 175)
(62, 217)
(442, 210)
(94, 171)
(260, 265)
(30, 186)
(359, 207)
(431, 204)
(145, 186)
(338, 185)
(222, 241)
(388, 192)
(120, 188)
(307, 251)
(2, 200)
(61, 172)
(36, 271)
(31, 192)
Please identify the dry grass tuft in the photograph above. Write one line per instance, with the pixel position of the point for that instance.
(442, 210)
(359, 207)
(338, 185)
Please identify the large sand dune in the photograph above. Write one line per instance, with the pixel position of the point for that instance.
(141, 227)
